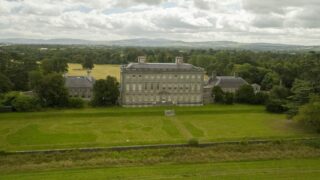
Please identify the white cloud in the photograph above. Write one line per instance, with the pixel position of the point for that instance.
(286, 21)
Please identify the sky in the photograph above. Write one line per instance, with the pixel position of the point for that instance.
(269, 21)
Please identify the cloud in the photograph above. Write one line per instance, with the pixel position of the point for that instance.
(286, 21)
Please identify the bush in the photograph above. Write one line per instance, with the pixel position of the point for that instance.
(229, 98)
(218, 94)
(193, 142)
(76, 103)
(23, 103)
(260, 98)
(245, 94)
(309, 114)
(9, 97)
(276, 106)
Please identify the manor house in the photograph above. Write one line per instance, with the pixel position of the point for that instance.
(153, 84)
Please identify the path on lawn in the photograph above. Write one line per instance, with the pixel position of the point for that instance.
(181, 128)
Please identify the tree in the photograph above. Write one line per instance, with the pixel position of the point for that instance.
(218, 94)
(245, 94)
(279, 92)
(51, 91)
(269, 80)
(87, 63)
(5, 84)
(105, 92)
(301, 91)
(309, 114)
(54, 64)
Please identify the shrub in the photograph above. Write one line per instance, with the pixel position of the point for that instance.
(193, 142)
(309, 114)
(9, 97)
(218, 94)
(260, 98)
(276, 106)
(245, 94)
(229, 98)
(23, 103)
(76, 103)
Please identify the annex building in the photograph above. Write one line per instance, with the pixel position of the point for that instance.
(154, 84)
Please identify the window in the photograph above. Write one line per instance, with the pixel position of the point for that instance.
(139, 87)
(133, 87)
(127, 87)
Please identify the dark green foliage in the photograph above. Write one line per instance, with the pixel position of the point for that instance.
(279, 92)
(245, 94)
(218, 94)
(9, 98)
(105, 92)
(55, 64)
(276, 106)
(260, 98)
(87, 63)
(5, 84)
(301, 91)
(269, 80)
(51, 91)
(76, 103)
(309, 114)
(23, 103)
(229, 98)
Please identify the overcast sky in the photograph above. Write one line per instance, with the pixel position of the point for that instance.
(272, 21)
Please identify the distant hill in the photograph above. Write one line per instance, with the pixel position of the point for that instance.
(144, 42)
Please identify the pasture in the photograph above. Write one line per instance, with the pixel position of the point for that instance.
(100, 71)
(55, 129)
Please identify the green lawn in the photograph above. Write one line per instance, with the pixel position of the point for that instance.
(133, 126)
(271, 169)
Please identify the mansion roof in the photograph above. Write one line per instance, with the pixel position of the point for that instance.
(228, 81)
(162, 66)
(79, 82)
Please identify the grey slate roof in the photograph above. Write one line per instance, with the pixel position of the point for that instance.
(79, 82)
(161, 66)
(229, 81)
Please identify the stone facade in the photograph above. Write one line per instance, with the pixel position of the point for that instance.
(154, 84)
(80, 86)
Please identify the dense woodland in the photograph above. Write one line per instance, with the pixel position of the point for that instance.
(289, 79)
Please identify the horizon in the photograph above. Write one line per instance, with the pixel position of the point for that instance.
(243, 21)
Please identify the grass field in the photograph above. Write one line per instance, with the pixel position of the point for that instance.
(100, 71)
(271, 169)
(135, 126)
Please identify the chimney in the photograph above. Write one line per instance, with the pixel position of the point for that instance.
(142, 59)
(179, 60)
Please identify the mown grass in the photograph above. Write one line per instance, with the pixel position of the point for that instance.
(243, 160)
(134, 126)
(100, 71)
(279, 169)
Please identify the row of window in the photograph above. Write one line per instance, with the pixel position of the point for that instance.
(163, 76)
(168, 98)
(190, 87)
